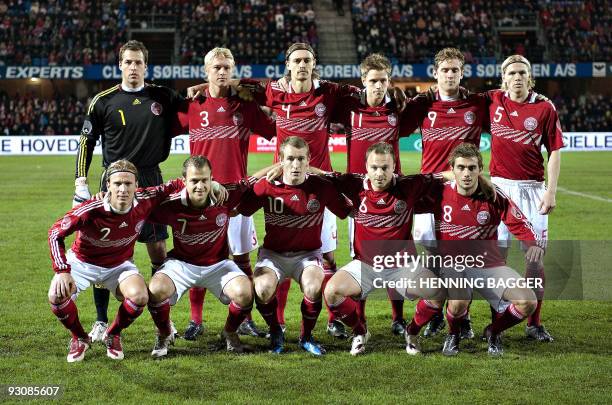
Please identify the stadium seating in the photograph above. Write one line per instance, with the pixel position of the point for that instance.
(25, 114)
(256, 32)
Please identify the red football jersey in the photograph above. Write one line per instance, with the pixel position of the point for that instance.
(367, 125)
(383, 215)
(446, 124)
(220, 127)
(294, 214)
(306, 115)
(199, 234)
(473, 218)
(518, 131)
(105, 238)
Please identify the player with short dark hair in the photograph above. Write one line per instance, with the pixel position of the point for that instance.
(371, 117)
(135, 121)
(466, 222)
(293, 214)
(200, 254)
(383, 206)
(219, 124)
(102, 254)
(452, 118)
(521, 123)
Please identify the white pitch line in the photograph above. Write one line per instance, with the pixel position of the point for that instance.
(592, 197)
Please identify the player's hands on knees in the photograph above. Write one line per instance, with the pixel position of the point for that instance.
(220, 193)
(81, 191)
(64, 285)
(534, 254)
(196, 91)
(399, 97)
(548, 203)
(488, 189)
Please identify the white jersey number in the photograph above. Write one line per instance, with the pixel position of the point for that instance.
(204, 115)
(498, 114)
(276, 205)
(432, 117)
(447, 213)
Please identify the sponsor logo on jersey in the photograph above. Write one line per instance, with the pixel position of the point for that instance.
(221, 219)
(392, 120)
(514, 114)
(530, 124)
(469, 117)
(483, 217)
(303, 104)
(400, 206)
(320, 109)
(139, 225)
(123, 224)
(313, 205)
(295, 198)
(466, 208)
(86, 127)
(516, 213)
(221, 109)
(66, 222)
(202, 218)
(451, 111)
(136, 102)
(237, 119)
(156, 108)
(381, 201)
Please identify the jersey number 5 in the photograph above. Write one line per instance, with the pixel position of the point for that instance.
(498, 114)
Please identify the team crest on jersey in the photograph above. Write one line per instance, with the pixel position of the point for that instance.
(221, 219)
(86, 127)
(517, 213)
(156, 108)
(399, 207)
(313, 205)
(530, 124)
(237, 118)
(483, 217)
(392, 120)
(469, 117)
(66, 222)
(139, 225)
(320, 109)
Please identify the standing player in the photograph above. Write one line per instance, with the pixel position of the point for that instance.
(451, 119)
(219, 125)
(371, 118)
(463, 213)
(521, 123)
(384, 211)
(200, 254)
(102, 254)
(135, 122)
(293, 211)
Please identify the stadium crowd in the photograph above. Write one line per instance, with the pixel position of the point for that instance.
(59, 32)
(26, 114)
(257, 31)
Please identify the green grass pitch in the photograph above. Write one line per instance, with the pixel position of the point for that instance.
(576, 368)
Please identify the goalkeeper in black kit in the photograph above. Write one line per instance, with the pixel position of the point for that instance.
(135, 121)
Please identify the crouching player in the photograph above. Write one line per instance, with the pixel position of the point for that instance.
(463, 213)
(293, 213)
(383, 212)
(200, 254)
(102, 254)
